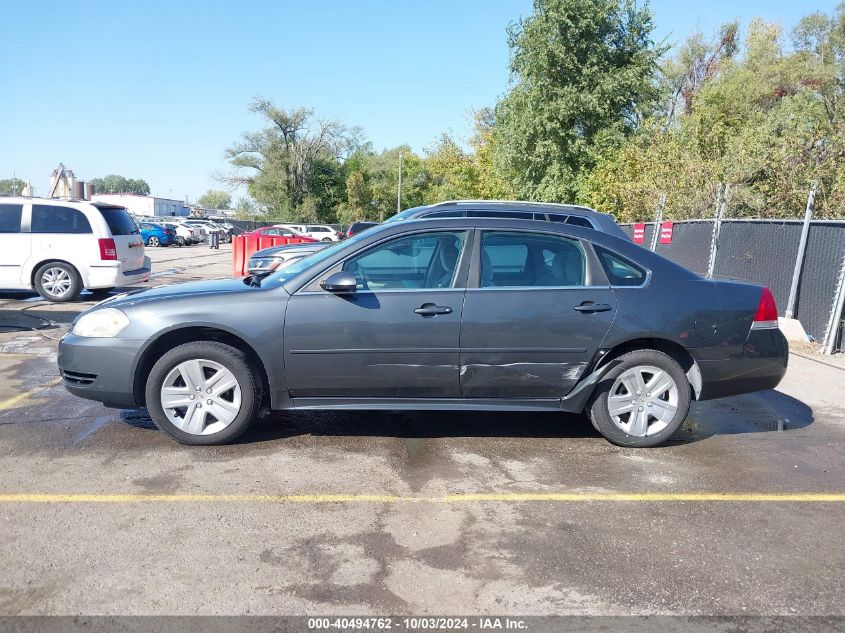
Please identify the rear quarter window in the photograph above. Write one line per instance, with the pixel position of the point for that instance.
(54, 219)
(119, 221)
(10, 218)
(620, 271)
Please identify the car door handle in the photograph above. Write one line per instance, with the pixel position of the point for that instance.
(429, 309)
(589, 306)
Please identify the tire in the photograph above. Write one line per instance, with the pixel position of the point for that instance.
(181, 241)
(200, 431)
(327, 239)
(153, 241)
(636, 408)
(58, 282)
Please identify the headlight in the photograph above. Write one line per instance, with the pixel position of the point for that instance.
(103, 323)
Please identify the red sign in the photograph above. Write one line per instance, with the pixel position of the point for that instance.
(639, 233)
(666, 233)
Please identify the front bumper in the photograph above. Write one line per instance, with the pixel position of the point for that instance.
(759, 364)
(100, 369)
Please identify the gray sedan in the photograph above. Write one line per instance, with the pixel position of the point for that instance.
(460, 313)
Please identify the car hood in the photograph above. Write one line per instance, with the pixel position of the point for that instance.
(178, 291)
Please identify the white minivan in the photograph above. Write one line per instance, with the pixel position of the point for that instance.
(58, 247)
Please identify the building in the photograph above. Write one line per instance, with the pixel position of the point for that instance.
(148, 206)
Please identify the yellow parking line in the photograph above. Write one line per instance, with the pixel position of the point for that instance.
(562, 497)
(14, 400)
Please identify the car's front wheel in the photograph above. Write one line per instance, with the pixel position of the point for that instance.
(327, 239)
(642, 401)
(203, 393)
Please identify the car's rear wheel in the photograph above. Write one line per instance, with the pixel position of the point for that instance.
(642, 401)
(153, 241)
(203, 393)
(58, 282)
(327, 239)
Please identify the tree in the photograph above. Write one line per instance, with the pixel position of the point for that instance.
(215, 199)
(12, 186)
(292, 165)
(766, 119)
(118, 184)
(584, 77)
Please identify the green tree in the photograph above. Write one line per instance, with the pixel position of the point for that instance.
(215, 199)
(292, 166)
(119, 184)
(12, 186)
(584, 77)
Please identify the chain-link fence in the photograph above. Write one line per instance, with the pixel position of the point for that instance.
(764, 252)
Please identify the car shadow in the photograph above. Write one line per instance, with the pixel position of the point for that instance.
(763, 412)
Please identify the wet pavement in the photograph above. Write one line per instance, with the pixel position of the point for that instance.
(252, 527)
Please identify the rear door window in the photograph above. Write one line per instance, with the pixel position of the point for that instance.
(119, 221)
(53, 219)
(519, 260)
(10, 218)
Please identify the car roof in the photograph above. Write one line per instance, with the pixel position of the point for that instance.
(601, 221)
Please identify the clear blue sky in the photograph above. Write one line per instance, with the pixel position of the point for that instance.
(157, 90)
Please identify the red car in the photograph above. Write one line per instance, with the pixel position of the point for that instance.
(275, 231)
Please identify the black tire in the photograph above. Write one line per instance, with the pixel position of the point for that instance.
(597, 408)
(42, 283)
(153, 241)
(327, 239)
(180, 241)
(232, 359)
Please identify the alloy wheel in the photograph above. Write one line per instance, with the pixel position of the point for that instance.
(200, 397)
(153, 241)
(56, 282)
(643, 400)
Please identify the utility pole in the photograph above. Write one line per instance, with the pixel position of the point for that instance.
(399, 187)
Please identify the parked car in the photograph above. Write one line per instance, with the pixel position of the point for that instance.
(357, 227)
(461, 313)
(267, 260)
(59, 247)
(210, 227)
(185, 235)
(277, 231)
(157, 234)
(516, 210)
(319, 232)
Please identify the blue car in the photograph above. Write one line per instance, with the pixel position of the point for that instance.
(156, 234)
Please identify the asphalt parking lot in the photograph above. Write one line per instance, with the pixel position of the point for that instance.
(400, 513)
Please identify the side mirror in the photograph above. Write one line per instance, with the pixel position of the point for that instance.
(342, 281)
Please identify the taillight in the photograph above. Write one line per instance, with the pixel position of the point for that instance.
(767, 312)
(107, 248)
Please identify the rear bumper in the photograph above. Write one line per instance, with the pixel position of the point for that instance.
(100, 368)
(112, 275)
(758, 365)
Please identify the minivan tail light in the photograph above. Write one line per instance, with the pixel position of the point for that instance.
(108, 251)
(767, 312)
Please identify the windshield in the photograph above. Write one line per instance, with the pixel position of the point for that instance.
(315, 258)
(404, 215)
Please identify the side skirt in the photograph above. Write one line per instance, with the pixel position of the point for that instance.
(429, 404)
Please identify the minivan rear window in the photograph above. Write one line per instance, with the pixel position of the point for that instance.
(119, 221)
(10, 218)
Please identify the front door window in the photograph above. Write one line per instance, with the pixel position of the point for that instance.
(413, 262)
